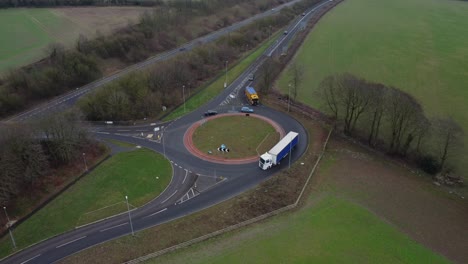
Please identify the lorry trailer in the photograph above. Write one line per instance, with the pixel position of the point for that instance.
(251, 95)
(279, 151)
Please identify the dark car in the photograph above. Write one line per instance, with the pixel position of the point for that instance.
(210, 113)
(246, 109)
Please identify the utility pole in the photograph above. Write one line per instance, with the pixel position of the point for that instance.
(183, 92)
(9, 228)
(84, 160)
(129, 216)
(289, 95)
(225, 80)
(290, 154)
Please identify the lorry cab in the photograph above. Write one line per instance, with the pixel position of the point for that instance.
(265, 162)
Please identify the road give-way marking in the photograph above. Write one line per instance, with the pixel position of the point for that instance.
(30, 259)
(74, 240)
(112, 227)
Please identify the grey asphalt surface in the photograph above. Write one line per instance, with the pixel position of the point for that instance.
(167, 207)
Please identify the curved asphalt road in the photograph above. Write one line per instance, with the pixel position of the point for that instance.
(168, 206)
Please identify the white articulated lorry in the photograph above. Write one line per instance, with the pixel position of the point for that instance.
(279, 151)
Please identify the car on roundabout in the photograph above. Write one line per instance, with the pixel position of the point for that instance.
(246, 109)
(210, 113)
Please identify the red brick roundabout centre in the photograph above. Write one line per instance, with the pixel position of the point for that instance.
(188, 142)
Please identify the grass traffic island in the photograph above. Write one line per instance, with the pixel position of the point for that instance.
(244, 136)
(140, 174)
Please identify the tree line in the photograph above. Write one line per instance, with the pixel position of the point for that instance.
(31, 151)
(52, 3)
(145, 94)
(161, 29)
(386, 117)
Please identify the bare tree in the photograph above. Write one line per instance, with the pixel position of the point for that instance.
(296, 71)
(448, 138)
(268, 73)
(329, 91)
(376, 110)
(403, 112)
(354, 98)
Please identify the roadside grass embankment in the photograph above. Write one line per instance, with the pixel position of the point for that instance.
(216, 85)
(241, 134)
(417, 46)
(131, 173)
(331, 230)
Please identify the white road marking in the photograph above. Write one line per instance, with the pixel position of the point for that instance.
(180, 167)
(30, 259)
(64, 244)
(109, 228)
(160, 211)
(185, 177)
(193, 193)
(169, 197)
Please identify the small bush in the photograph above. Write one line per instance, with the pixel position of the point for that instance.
(429, 164)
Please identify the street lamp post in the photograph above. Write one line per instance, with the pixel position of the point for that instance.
(183, 93)
(225, 70)
(9, 228)
(289, 95)
(129, 216)
(164, 147)
(290, 154)
(84, 160)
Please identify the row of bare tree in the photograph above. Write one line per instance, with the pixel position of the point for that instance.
(30, 151)
(163, 28)
(392, 119)
(144, 94)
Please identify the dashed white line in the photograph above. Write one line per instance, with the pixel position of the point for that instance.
(112, 227)
(30, 259)
(180, 167)
(160, 211)
(64, 244)
(169, 197)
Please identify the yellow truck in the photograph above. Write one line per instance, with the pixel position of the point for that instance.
(251, 95)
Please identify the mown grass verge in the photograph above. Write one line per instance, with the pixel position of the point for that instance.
(216, 85)
(129, 173)
(240, 134)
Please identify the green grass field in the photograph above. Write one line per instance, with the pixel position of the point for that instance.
(25, 34)
(244, 136)
(419, 46)
(332, 231)
(129, 173)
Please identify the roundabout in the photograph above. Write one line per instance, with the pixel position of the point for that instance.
(246, 138)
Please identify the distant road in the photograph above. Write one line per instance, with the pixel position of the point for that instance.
(70, 98)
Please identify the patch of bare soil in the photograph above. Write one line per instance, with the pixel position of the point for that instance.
(412, 203)
(103, 19)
